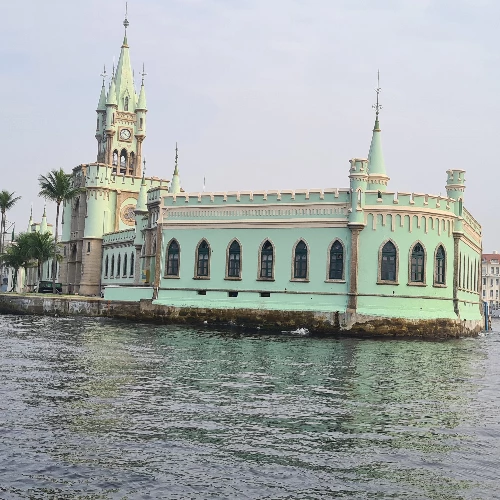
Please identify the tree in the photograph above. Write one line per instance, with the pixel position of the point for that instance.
(17, 255)
(56, 186)
(41, 247)
(7, 201)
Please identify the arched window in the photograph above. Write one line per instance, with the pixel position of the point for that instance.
(388, 262)
(123, 160)
(173, 259)
(118, 265)
(124, 266)
(203, 259)
(115, 158)
(132, 267)
(112, 266)
(300, 261)
(336, 271)
(440, 266)
(106, 267)
(131, 163)
(126, 103)
(266, 260)
(417, 264)
(234, 260)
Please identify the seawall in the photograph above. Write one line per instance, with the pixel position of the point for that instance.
(319, 323)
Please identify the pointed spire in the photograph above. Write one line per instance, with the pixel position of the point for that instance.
(141, 103)
(102, 98)
(43, 226)
(376, 166)
(124, 78)
(175, 185)
(112, 93)
(142, 199)
(126, 24)
(30, 222)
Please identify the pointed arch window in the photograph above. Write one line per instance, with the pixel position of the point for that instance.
(173, 255)
(203, 260)
(132, 264)
(125, 107)
(266, 260)
(115, 158)
(118, 265)
(123, 160)
(336, 268)
(300, 261)
(106, 267)
(417, 264)
(112, 266)
(388, 262)
(125, 257)
(234, 260)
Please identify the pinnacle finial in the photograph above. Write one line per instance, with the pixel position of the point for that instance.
(125, 22)
(144, 169)
(377, 106)
(104, 75)
(143, 74)
(176, 159)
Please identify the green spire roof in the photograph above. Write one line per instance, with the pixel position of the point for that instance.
(112, 93)
(143, 197)
(124, 78)
(141, 103)
(102, 99)
(43, 226)
(376, 164)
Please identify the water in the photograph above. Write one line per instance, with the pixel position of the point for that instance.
(98, 409)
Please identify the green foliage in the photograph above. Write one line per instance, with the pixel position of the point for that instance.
(18, 255)
(56, 186)
(7, 201)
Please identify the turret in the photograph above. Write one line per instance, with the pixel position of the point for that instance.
(141, 210)
(358, 178)
(30, 222)
(100, 133)
(175, 185)
(377, 180)
(43, 225)
(455, 188)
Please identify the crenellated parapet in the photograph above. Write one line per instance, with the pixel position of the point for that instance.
(125, 236)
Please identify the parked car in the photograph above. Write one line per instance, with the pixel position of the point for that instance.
(46, 287)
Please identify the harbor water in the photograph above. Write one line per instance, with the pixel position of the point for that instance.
(98, 409)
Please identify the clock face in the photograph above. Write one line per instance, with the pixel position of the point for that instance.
(125, 134)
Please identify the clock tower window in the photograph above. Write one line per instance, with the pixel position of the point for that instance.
(115, 158)
(123, 160)
(126, 103)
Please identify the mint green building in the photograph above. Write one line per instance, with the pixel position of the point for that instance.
(361, 257)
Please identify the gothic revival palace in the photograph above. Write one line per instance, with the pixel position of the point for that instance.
(342, 256)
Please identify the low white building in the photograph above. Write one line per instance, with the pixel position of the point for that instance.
(491, 279)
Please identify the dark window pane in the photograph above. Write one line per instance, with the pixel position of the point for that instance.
(300, 261)
(173, 259)
(336, 261)
(266, 260)
(417, 264)
(233, 269)
(388, 264)
(203, 255)
(440, 266)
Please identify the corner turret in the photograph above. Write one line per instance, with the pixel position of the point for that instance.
(455, 188)
(358, 177)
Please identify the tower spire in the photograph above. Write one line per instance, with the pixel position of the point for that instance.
(126, 25)
(377, 177)
(175, 185)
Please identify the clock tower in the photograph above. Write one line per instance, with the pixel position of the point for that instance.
(121, 118)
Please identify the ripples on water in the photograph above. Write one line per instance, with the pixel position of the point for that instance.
(103, 409)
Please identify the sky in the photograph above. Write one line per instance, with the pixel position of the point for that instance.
(261, 94)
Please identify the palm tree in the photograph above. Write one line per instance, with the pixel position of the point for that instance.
(41, 247)
(57, 186)
(16, 256)
(7, 201)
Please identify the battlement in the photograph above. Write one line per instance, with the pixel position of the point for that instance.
(259, 197)
(456, 177)
(100, 175)
(127, 235)
(420, 200)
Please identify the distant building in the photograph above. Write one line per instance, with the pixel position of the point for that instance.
(491, 279)
(358, 255)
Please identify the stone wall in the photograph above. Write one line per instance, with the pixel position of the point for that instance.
(320, 323)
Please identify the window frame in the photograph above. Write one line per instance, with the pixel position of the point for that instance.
(228, 260)
(381, 281)
(259, 260)
(438, 284)
(294, 253)
(167, 255)
(197, 276)
(424, 265)
(124, 265)
(132, 264)
(328, 262)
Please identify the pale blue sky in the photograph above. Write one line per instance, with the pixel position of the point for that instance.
(261, 94)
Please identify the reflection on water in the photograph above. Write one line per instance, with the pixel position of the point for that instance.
(102, 409)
